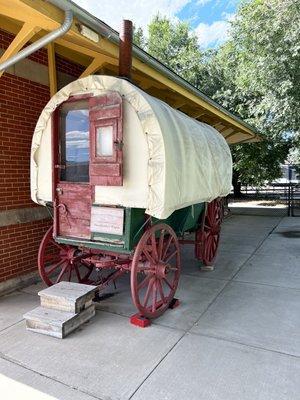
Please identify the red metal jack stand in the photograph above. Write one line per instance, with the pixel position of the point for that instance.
(139, 320)
(143, 322)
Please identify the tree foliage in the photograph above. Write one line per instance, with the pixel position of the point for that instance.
(174, 44)
(255, 74)
(266, 37)
(262, 62)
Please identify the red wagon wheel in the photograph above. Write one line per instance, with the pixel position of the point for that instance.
(59, 262)
(155, 270)
(208, 236)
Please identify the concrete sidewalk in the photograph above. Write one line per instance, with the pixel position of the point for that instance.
(235, 336)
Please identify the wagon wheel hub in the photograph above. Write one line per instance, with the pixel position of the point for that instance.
(71, 255)
(162, 269)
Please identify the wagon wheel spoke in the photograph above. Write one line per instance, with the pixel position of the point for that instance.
(63, 270)
(168, 283)
(161, 293)
(59, 246)
(207, 227)
(52, 257)
(215, 240)
(53, 268)
(148, 292)
(171, 256)
(144, 282)
(148, 256)
(74, 267)
(166, 247)
(154, 248)
(70, 274)
(161, 244)
(208, 224)
(154, 296)
(211, 247)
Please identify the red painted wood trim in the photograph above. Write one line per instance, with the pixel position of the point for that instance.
(77, 97)
(58, 221)
(94, 158)
(55, 171)
(106, 110)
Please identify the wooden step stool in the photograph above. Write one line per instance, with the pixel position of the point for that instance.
(64, 307)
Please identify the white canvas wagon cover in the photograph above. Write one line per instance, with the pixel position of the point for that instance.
(170, 160)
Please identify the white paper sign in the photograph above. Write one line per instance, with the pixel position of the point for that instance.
(107, 220)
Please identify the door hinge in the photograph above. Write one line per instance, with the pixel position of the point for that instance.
(118, 144)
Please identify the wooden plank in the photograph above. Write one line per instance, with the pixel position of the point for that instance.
(74, 209)
(52, 69)
(96, 64)
(105, 170)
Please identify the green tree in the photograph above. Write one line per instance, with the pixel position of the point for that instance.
(138, 37)
(260, 67)
(266, 38)
(173, 44)
(254, 163)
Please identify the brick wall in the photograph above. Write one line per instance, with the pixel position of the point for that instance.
(19, 247)
(21, 102)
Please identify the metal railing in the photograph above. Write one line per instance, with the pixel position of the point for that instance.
(278, 195)
(294, 201)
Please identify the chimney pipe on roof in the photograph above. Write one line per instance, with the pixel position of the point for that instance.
(125, 49)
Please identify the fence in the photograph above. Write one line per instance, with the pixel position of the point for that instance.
(294, 204)
(284, 197)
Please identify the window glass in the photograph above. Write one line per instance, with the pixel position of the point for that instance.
(104, 143)
(74, 141)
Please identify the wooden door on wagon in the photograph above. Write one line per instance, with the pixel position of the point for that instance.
(87, 140)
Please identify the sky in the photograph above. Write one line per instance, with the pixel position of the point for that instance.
(208, 18)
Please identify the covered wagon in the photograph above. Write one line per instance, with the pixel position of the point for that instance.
(125, 177)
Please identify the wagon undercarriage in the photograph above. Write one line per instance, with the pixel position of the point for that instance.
(154, 264)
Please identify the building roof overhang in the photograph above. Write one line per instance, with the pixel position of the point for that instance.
(94, 45)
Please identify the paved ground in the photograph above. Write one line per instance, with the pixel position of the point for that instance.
(236, 335)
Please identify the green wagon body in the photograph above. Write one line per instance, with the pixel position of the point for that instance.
(182, 220)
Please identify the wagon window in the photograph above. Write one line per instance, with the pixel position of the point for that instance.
(74, 141)
(104, 143)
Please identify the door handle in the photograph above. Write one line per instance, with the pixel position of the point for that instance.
(59, 190)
